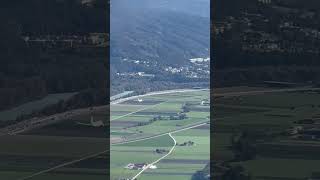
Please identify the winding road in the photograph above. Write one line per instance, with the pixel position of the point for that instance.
(156, 161)
(171, 150)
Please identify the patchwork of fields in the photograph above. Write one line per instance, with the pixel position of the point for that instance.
(45, 152)
(141, 130)
(185, 160)
(75, 146)
(268, 135)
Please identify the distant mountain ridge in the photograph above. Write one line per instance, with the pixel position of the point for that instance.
(160, 32)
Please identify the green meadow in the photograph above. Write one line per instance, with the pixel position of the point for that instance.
(184, 160)
(268, 116)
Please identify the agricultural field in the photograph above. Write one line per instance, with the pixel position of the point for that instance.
(24, 155)
(31, 154)
(185, 160)
(28, 108)
(270, 135)
(77, 125)
(169, 130)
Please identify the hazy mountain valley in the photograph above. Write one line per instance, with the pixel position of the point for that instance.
(159, 41)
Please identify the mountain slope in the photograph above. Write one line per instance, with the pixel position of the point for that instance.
(162, 34)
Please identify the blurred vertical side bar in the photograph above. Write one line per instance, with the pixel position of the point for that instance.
(266, 89)
(54, 90)
(212, 45)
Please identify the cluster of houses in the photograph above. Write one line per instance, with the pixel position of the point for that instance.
(305, 130)
(66, 40)
(140, 166)
(136, 74)
(287, 36)
(205, 102)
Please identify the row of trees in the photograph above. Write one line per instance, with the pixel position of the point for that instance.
(85, 98)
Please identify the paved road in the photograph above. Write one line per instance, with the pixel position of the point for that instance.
(156, 161)
(157, 93)
(171, 150)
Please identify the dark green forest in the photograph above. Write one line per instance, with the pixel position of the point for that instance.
(30, 72)
(241, 55)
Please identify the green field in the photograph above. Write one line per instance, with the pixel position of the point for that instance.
(42, 148)
(140, 152)
(170, 104)
(267, 118)
(24, 155)
(184, 160)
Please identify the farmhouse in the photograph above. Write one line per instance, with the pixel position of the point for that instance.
(140, 100)
(136, 166)
(205, 102)
(140, 166)
(152, 167)
(97, 123)
(295, 130)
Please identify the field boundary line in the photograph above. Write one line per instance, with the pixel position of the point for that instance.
(142, 109)
(62, 165)
(163, 134)
(255, 92)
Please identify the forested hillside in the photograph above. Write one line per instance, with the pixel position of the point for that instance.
(165, 36)
(279, 37)
(29, 72)
(158, 39)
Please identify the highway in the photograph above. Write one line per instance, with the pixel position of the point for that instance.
(156, 93)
